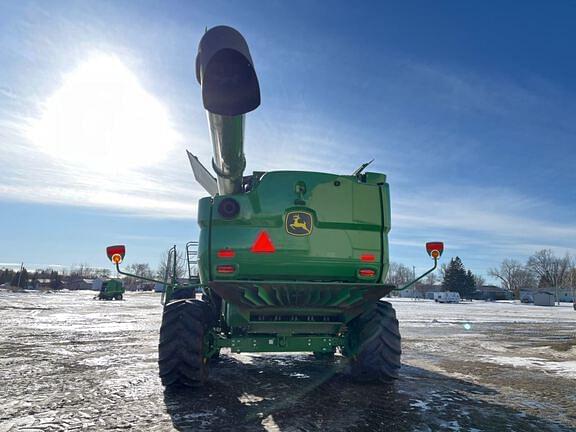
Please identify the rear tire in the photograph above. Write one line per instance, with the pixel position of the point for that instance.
(375, 344)
(181, 356)
(184, 293)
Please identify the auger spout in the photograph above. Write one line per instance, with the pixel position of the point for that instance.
(230, 89)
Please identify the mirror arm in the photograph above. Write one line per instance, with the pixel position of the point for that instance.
(408, 285)
(138, 277)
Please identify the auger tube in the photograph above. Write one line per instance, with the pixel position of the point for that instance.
(230, 89)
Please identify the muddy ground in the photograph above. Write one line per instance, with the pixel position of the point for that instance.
(68, 362)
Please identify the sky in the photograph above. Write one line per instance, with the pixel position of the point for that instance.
(468, 107)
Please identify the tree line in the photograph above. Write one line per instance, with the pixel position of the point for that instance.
(56, 279)
(543, 269)
(454, 277)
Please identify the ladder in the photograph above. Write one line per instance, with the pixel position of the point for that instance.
(192, 260)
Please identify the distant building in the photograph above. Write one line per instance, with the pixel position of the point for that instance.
(420, 291)
(80, 284)
(492, 293)
(97, 283)
(39, 284)
(566, 295)
(544, 298)
(526, 296)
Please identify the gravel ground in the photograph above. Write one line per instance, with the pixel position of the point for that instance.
(68, 362)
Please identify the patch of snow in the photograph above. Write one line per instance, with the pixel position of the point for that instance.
(270, 425)
(450, 425)
(565, 368)
(249, 399)
(299, 375)
(420, 405)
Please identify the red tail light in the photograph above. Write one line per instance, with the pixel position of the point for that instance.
(367, 272)
(263, 244)
(226, 268)
(367, 257)
(226, 253)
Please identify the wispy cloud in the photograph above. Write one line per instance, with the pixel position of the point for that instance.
(408, 116)
(484, 225)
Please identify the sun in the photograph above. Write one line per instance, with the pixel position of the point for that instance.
(102, 117)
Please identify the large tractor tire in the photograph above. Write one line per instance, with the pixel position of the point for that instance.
(181, 356)
(375, 348)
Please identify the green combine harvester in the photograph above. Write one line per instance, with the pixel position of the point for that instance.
(111, 290)
(288, 261)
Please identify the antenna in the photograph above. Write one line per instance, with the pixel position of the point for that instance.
(361, 168)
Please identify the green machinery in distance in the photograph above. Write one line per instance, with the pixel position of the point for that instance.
(112, 289)
(288, 261)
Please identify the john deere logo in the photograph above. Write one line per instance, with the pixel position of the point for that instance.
(299, 223)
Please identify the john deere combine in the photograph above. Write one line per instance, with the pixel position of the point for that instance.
(112, 289)
(288, 261)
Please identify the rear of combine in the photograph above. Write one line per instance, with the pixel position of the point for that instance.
(111, 290)
(291, 265)
(288, 261)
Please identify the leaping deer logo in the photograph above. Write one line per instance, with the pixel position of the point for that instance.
(301, 223)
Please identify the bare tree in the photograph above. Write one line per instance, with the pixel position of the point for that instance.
(102, 272)
(138, 269)
(166, 268)
(399, 274)
(571, 278)
(432, 278)
(82, 271)
(479, 281)
(514, 276)
(550, 269)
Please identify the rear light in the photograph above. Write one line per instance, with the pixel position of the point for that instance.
(435, 249)
(367, 257)
(116, 253)
(369, 273)
(226, 268)
(226, 253)
(263, 244)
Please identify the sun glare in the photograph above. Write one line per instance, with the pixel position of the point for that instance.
(102, 117)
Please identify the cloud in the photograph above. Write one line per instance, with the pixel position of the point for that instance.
(484, 225)
(295, 133)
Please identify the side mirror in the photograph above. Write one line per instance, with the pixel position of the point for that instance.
(435, 249)
(116, 253)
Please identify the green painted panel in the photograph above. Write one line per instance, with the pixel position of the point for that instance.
(346, 223)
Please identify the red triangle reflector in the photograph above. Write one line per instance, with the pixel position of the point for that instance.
(263, 244)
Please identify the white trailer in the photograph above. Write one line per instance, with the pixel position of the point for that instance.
(447, 297)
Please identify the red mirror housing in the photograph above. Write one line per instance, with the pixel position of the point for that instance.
(116, 253)
(435, 249)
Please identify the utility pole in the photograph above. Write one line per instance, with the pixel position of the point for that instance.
(414, 277)
(20, 273)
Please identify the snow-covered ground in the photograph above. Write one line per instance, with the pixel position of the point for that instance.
(68, 362)
(506, 333)
(523, 353)
(424, 312)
